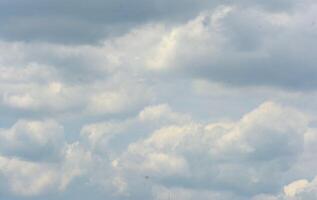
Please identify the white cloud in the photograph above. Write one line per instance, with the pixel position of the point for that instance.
(97, 136)
(296, 187)
(35, 158)
(34, 140)
(50, 78)
(297, 190)
(77, 162)
(261, 147)
(120, 98)
(37, 178)
(162, 113)
(26, 178)
(163, 107)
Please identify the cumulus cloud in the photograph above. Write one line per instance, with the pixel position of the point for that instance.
(26, 178)
(296, 187)
(35, 159)
(32, 140)
(158, 99)
(271, 134)
(45, 79)
(297, 190)
(116, 99)
(23, 178)
(226, 46)
(260, 150)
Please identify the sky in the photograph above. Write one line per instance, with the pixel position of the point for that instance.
(158, 99)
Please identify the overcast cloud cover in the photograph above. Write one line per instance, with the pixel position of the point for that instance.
(158, 99)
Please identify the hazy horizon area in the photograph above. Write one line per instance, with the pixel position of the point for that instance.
(158, 100)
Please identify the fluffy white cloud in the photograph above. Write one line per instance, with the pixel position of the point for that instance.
(260, 150)
(297, 190)
(117, 99)
(45, 78)
(162, 114)
(98, 136)
(35, 158)
(24, 178)
(33, 140)
(102, 98)
(256, 150)
(27, 178)
(296, 187)
(301, 189)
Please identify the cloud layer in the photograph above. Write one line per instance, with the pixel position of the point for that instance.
(158, 100)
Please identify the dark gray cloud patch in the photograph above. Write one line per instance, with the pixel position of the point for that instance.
(80, 21)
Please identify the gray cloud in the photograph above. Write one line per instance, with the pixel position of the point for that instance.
(82, 22)
(244, 47)
(145, 99)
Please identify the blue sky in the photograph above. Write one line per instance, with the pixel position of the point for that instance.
(130, 100)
